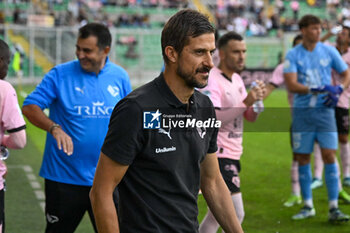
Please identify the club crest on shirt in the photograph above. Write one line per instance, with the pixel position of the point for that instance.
(201, 131)
(113, 90)
(324, 62)
(52, 218)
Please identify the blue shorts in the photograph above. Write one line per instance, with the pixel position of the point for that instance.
(313, 124)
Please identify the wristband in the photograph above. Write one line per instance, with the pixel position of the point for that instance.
(53, 126)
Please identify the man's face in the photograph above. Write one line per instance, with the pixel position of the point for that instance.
(195, 60)
(90, 56)
(343, 37)
(233, 55)
(311, 33)
(4, 65)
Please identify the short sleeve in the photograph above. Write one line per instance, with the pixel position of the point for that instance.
(337, 61)
(213, 140)
(277, 76)
(45, 93)
(124, 138)
(289, 64)
(11, 118)
(213, 147)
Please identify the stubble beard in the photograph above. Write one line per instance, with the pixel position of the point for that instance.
(190, 80)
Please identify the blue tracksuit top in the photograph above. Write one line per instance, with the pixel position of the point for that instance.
(313, 69)
(81, 103)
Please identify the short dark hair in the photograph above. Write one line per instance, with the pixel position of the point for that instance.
(296, 38)
(227, 37)
(348, 29)
(4, 50)
(307, 20)
(100, 31)
(184, 24)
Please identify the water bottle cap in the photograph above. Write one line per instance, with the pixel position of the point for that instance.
(4, 153)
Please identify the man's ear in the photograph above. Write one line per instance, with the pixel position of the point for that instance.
(107, 49)
(171, 53)
(221, 54)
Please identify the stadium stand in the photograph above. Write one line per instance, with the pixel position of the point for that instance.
(136, 26)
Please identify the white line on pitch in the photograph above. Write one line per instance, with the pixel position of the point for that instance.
(39, 193)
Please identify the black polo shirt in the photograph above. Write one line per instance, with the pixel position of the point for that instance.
(163, 141)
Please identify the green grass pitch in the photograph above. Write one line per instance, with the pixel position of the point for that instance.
(265, 180)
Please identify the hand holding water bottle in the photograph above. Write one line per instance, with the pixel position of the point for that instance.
(257, 90)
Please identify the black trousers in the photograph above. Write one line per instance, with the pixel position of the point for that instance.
(2, 210)
(66, 205)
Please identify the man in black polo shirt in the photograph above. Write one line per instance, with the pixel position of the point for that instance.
(161, 143)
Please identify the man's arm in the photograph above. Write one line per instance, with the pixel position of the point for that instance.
(108, 175)
(269, 88)
(326, 36)
(345, 78)
(217, 195)
(293, 85)
(38, 118)
(16, 140)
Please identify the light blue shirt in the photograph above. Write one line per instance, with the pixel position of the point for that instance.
(81, 103)
(313, 69)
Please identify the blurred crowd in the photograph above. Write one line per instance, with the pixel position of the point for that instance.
(79, 12)
(247, 17)
(256, 18)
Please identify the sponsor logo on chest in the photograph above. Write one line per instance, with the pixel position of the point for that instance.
(94, 110)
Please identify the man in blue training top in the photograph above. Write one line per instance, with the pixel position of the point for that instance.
(307, 73)
(81, 95)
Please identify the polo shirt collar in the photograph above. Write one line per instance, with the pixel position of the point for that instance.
(105, 67)
(169, 96)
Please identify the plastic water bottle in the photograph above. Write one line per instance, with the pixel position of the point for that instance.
(4, 153)
(258, 105)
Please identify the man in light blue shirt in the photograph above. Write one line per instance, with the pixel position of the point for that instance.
(81, 95)
(307, 73)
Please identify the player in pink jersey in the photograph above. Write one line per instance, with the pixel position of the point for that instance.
(232, 102)
(11, 121)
